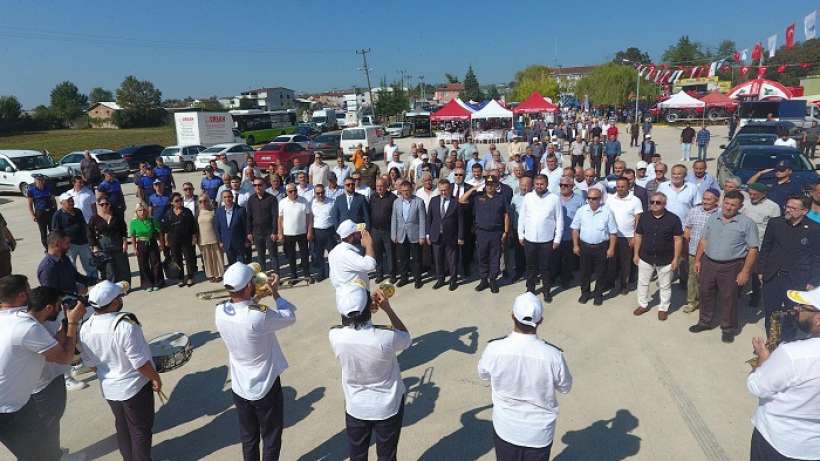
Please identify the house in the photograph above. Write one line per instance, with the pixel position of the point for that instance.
(101, 114)
(275, 98)
(568, 76)
(447, 92)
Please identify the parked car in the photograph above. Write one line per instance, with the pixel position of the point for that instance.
(17, 167)
(400, 129)
(282, 152)
(233, 151)
(305, 141)
(308, 129)
(106, 158)
(327, 144)
(372, 138)
(743, 161)
(751, 139)
(139, 153)
(181, 156)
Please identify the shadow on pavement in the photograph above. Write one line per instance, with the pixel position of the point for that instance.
(200, 338)
(473, 440)
(420, 401)
(603, 440)
(196, 394)
(430, 345)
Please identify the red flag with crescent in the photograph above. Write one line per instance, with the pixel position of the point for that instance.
(790, 36)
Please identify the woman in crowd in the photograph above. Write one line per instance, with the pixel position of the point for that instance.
(181, 233)
(393, 179)
(108, 233)
(144, 232)
(208, 244)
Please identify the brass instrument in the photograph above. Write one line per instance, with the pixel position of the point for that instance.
(775, 324)
(387, 288)
(260, 281)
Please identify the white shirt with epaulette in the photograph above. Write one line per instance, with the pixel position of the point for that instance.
(371, 377)
(114, 344)
(347, 264)
(255, 356)
(524, 372)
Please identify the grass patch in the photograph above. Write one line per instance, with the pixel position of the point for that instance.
(61, 142)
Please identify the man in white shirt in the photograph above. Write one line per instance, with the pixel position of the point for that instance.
(113, 345)
(641, 177)
(323, 232)
(681, 197)
(25, 348)
(524, 372)
(787, 385)
(395, 162)
(345, 259)
(371, 377)
(389, 150)
(553, 172)
(626, 209)
(318, 170)
(783, 139)
(84, 198)
(295, 228)
(540, 227)
(256, 360)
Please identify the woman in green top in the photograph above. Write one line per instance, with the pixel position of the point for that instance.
(144, 232)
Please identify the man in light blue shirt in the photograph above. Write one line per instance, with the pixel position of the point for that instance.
(594, 235)
(566, 261)
(681, 195)
(702, 180)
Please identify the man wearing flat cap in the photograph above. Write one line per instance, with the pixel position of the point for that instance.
(524, 372)
(371, 378)
(787, 385)
(249, 332)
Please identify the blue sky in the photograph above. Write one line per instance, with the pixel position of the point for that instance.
(202, 48)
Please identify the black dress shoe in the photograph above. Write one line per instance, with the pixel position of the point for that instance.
(599, 300)
(402, 282)
(453, 285)
(727, 336)
(493, 286)
(393, 279)
(547, 295)
(483, 285)
(698, 327)
(379, 278)
(625, 290)
(440, 283)
(583, 298)
(418, 284)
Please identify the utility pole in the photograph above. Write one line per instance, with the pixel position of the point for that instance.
(403, 74)
(366, 69)
(421, 83)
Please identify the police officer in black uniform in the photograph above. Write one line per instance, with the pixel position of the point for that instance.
(491, 216)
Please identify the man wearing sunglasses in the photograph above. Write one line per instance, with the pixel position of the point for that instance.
(350, 205)
(262, 210)
(594, 236)
(787, 384)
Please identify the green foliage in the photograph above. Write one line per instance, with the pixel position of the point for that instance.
(614, 84)
(471, 91)
(725, 49)
(248, 103)
(803, 52)
(67, 103)
(685, 52)
(451, 78)
(392, 102)
(10, 109)
(492, 92)
(60, 142)
(44, 119)
(140, 103)
(536, 77)
(632, 54)
(99, 94)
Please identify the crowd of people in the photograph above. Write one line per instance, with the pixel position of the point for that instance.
(565, 210)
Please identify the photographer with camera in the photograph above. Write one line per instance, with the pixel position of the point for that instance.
(25, 347)
(114, 346)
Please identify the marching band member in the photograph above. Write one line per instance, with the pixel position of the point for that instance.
(249, 332)
(114, 346)
(524, 373)
(371, 378)
(345, 259)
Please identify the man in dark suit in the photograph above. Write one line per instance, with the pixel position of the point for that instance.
(350, 205)
(232, 228)
(459, 188)
(442, 234)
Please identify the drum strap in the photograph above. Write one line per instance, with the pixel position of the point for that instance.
(127, 316)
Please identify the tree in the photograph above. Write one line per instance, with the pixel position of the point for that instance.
(725, 49)
(392, 102)
(614, 85)
(803, 52)
(685, 52)
(140, 103)
(210, 104)
(67, 103)
(10, 109)
(632, 54)
(44, 119)
(99, 94)
(471, 91)
(536, 77)
(451, 78)
(492, 92)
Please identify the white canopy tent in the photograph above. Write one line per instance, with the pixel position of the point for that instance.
(493, 110)
(491, 122)
(680, 100)
(461, 103)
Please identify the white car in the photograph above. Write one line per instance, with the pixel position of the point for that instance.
(399, 129)
(18, 166)
(181, 156)
(233, 151)
(106, 158)
(297, 138)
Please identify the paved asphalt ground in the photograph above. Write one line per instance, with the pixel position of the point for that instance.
(643, 389)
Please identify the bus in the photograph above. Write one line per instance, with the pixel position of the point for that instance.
(258, 126)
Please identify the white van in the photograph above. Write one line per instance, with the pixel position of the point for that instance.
(373, 138)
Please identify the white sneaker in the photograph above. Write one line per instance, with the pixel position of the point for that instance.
(72, 384)
(79, 369)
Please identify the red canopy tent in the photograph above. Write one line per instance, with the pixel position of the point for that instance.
(718, 99)
(451, 111)
(535, 103)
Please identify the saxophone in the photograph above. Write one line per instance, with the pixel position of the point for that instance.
(774, 333)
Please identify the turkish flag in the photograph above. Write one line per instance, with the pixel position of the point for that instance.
(761, 71)
(744, 70)
(805, 65)
(781, 68)
(790, 36)
(757, 52)
(736, 56)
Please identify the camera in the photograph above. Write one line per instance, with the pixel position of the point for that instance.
(69, 301)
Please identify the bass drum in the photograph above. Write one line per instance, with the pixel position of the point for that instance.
(170, 351)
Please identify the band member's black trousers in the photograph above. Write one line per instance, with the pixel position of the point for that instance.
(134, 421)
(505, 451)
(387, 434)
(538, 256)
(261, 418)
(761, 450)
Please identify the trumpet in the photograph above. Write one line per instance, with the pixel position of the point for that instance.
(260, 281)
(388, 289)
(774, 337)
